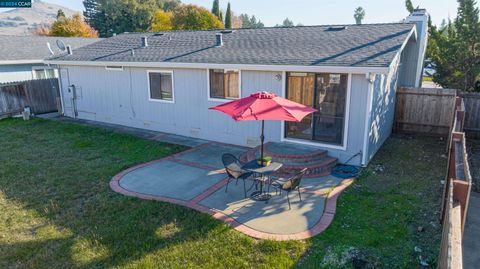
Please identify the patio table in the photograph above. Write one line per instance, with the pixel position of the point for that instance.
(264, 172)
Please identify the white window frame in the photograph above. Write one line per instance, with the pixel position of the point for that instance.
(44, 68)
(226, 99)
(173, 86)
(114, 68)
(344, 145)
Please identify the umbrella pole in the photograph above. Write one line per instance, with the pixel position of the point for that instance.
(262, 138)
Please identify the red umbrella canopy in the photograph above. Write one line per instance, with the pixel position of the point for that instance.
(264, 106)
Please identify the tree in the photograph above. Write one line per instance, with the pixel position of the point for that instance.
(359, 15)
(162, 21)
(74, 26)
(192, 17)
(453, 49)
(287, 23)
(168, 5)
(409, 6)
(250, 22)
(228, 17)
(216, 9)
(60, 14)
(117, 16)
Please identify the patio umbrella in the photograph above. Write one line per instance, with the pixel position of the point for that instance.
(264, 106)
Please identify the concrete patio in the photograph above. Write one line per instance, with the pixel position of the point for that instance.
(196, 179)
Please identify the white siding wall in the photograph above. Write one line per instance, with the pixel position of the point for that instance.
(383, 109)
(17, 72)
(121, 97)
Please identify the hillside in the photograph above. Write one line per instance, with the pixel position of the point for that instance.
(23, 21)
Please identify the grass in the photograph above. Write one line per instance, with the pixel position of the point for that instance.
(427, 78)
(57, 211)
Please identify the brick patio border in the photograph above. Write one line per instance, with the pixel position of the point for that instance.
(325, 220)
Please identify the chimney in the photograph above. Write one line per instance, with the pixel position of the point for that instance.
(69, 50)
(144, 42)
(219, 39)
(420, 18)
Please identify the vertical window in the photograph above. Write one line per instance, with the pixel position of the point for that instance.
(325, 92)
(161, 86)
(43, 73)
(224, 84)
(39, 73)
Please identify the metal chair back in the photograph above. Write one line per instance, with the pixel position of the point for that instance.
(296, 179)
(232, 165)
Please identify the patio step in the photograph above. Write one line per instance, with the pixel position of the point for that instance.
(295, 158)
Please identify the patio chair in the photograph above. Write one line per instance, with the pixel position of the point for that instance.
(234, 170)
(289, 185)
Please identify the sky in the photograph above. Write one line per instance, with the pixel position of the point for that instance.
(315, 12)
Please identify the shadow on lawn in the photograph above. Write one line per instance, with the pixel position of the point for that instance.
(66, 187)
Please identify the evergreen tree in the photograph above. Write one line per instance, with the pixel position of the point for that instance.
(453, 49)
(409, 6)
(250, 22)
(118, 16)
(287, 23)
(216, 9)
(228, 17)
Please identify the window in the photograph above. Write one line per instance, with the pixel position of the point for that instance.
(114, 68)
(325, 92)
(161, 85)
(224, 84)
(43, 73)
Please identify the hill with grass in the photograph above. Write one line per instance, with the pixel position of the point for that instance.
(24, 21)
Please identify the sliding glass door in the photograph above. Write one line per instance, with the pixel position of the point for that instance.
(328, 94)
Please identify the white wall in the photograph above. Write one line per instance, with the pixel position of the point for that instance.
(121, 97)
(16, 72)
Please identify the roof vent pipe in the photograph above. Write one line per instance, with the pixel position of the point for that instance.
(69, 50)
(219, 38)
(144, 42)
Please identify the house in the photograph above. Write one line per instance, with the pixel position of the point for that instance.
(167, 81)
(21, 57)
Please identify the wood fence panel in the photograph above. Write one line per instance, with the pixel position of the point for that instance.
(424, 110)
(472, 112)
(40, 95)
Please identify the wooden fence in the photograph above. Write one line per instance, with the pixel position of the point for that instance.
(424, 110)
(456, 194)
(472, 113)
(40, 95)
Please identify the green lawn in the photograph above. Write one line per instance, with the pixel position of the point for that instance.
(57, 210)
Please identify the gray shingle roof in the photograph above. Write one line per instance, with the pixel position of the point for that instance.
(14, 48)
(370, 45)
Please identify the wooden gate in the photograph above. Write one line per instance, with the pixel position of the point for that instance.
(40, 95)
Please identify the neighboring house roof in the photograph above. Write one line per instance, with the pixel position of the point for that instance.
(367, 45)
(32, 49)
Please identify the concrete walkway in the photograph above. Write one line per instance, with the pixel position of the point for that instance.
(195, 179)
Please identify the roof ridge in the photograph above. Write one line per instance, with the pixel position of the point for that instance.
(270, 27)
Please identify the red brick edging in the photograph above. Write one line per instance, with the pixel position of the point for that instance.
(320, 226)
